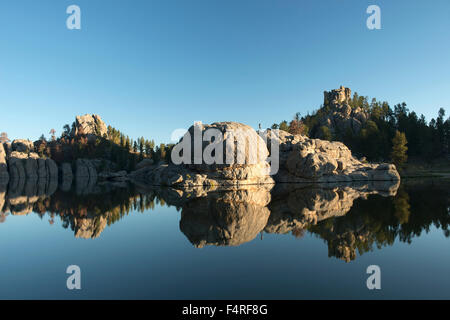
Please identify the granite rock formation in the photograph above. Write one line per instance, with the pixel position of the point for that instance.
(241, 162)
(302, 159)
(90, 125)
(341, 116)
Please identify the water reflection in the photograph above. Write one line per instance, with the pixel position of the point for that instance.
(351, 219)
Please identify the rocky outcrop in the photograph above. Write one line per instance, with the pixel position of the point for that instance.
(302, 159)
(341, 116)
(241, 162)
(21, 145)
(90, 125)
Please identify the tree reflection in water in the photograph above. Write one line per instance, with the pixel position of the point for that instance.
(350, 218)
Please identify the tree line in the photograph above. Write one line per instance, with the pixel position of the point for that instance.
(114, 146)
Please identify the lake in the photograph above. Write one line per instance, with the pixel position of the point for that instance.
(282, 242)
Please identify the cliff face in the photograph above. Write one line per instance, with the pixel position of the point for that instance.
(21, 166)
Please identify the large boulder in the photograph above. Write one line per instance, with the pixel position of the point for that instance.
(91, 125)
(237, 157)
(243, 152)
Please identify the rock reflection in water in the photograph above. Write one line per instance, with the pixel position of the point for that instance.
(350, 218)
(296, 206)
(226, 218)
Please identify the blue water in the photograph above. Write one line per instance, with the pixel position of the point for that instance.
(144, 255)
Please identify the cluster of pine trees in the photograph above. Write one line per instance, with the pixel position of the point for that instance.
(115, 147)
(389, 134)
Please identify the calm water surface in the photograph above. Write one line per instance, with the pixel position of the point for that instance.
(291, 242)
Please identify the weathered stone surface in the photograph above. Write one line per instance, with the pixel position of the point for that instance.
(337, 96)
(303, 159)
(91, 125)
(241, 162)
(21, 145)
(341, 117)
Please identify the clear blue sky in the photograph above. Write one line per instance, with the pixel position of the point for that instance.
(149, 67)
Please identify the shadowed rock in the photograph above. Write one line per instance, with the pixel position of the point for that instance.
(85, 176)
(66, 177)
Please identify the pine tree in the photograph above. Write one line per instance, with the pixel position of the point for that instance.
(284, 126)
(399, 149)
